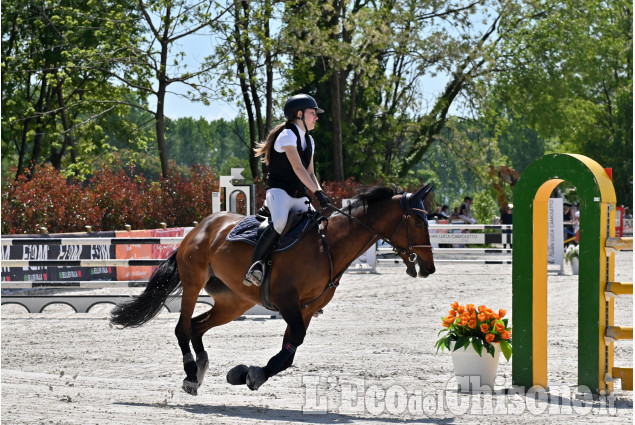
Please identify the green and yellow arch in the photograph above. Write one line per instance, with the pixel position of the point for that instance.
(529, 275)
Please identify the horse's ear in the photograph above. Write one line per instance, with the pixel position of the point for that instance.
(422, 193)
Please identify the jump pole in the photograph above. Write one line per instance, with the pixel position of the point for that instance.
(529, 269)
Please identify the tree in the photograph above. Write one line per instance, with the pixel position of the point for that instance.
(55, 85)
(564, 71)
(248, 76)
(370, 61)
(157, 61)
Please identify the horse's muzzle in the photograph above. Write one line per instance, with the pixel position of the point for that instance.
(425, 269)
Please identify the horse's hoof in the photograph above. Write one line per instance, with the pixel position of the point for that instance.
(202, 365)
(255, 377)
(190, 387)
(238, 375)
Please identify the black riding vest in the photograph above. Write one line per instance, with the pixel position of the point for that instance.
(281, 174)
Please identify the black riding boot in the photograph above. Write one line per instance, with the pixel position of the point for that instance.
(262, 250)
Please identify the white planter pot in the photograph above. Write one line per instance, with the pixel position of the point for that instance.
(473, 371)
(575, 265)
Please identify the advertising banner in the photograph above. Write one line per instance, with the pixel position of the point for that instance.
(58, 252)
(134, 251)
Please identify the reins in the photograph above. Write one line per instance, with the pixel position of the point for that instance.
(411, 255)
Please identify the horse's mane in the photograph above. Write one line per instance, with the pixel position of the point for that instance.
(372, 195)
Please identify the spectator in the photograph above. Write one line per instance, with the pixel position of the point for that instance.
(444, 211)
(506, 218)
(437, 214)
(455, 214)
(567, 218)
(627, 213)
(465, 212)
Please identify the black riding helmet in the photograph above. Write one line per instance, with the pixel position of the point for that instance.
(300, 102)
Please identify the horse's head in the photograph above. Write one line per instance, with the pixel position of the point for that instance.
(411, 237)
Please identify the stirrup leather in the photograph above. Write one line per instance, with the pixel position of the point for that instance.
(255, 274)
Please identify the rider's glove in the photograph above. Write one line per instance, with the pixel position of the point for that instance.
(322, 198)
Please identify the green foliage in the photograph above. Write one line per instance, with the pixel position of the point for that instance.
(77, 77)
(485, 207)
(378, 57)
(565, 76)
(57, 58)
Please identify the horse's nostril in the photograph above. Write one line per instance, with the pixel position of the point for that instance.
(431, 269)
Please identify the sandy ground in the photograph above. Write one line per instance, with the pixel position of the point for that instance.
(368, 360)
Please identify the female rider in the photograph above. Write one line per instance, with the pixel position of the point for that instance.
(288, 152)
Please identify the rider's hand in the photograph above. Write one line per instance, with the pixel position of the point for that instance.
(322, 198)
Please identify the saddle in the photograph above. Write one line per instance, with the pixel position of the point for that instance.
(251, 227)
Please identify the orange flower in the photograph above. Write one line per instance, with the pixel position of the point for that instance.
(445, 325)
(472, 324)
(455, 305)
(502, 313)
(449, 320)
(489, 337)
(484, 328)
(451, 313)
(482, 309)
(494, 316)
(461, 309)
(505, 335)
(473, 315)
(481, 317)
(500, 327)
(463, 321)
(470, 308)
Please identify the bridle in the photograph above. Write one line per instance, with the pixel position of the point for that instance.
(408, 211)
(334, 281)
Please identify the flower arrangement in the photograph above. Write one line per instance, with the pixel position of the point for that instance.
(573, 251)
(480, 327)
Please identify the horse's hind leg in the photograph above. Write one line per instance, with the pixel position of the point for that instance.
(183, 332)
(193, 279)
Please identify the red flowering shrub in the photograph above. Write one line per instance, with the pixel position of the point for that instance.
(114, 197)
(337, 191)
(123, 199)
(181, 199)
(47, 200)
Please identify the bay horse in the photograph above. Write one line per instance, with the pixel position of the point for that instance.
(303, 279)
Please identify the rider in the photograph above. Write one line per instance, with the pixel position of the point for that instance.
(288, 152)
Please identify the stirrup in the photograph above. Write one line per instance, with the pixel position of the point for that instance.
(254, 274)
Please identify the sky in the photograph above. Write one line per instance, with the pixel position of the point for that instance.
(197, 47)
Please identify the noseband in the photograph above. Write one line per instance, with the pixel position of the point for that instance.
(408, 210)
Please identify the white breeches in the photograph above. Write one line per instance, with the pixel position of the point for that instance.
(281, 204)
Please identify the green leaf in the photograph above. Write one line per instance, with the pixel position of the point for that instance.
(491, 349)
(478, 346)
(506, 348)
(461, 342)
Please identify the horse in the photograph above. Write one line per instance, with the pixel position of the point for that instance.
(302, 281)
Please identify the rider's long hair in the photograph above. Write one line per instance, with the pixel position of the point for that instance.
(264, 147)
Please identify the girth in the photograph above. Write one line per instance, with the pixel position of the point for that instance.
(265, 288)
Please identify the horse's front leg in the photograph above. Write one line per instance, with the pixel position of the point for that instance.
(255, 376)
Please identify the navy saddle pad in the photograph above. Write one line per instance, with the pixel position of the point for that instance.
(247, 231)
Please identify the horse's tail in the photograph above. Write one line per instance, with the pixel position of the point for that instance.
(165, 281)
